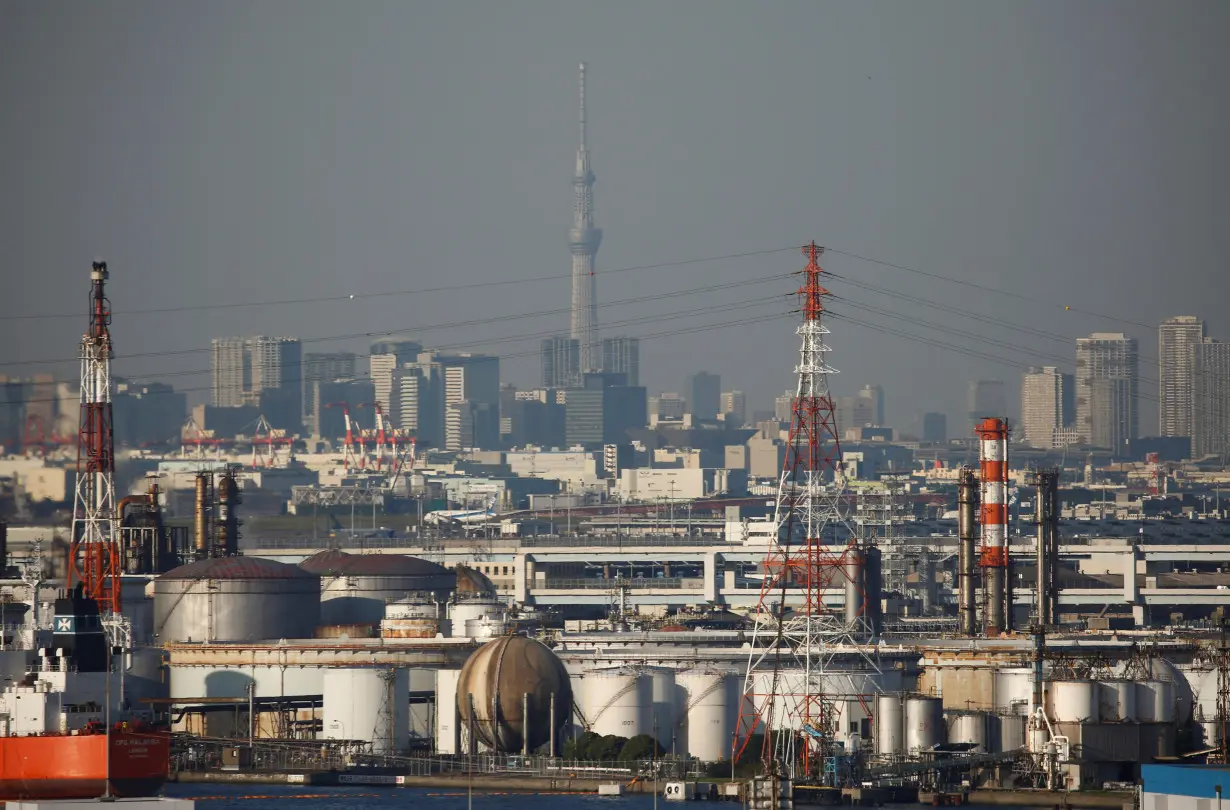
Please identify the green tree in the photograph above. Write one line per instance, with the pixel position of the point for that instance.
(642, 746)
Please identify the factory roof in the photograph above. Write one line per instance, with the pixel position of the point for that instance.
(339, 563)
(237, 568)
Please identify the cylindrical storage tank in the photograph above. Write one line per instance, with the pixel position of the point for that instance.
(1155, 701)
(1212, 732)
(355, 588)
(618, 702)
(890, 724)
(1118, 701)
(475, 607)
(412, 617)
(346, 631)
(495, 681)
(1074, 701)
(968, 728)
(854, 587)
(707, 715)
(1011, 732)
(924, 723)
(664, 712)
(235, 599)
(368, 704)
(486, 627)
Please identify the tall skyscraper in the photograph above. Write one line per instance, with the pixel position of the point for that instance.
(583, 241)
(1210, 398)
(935, 427)
(986, 399)
(1106, 389)
(875, 395)
(703, 391)
(1047, 399)
(471, 400)
(622, 355)
(262, 371)
(322, 367)
(561, 362)
(1176, 340)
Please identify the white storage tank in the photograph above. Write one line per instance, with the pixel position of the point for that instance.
(1118, 701)
(1011, 729)
(707, 722)
(370, 703)
(617, 701)
(890, 724)
(486, 627)
(968, 728)
(1155, 701)
(416, 616)
(924, 723)
(665, 713)
(465, 609)
(1074, 701)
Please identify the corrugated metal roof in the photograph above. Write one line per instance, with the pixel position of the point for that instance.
(339, 563)
(238, 568)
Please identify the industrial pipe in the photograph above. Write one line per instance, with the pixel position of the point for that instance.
(200, 510)
(228, 517)
(967, 532)
(854, 587)
(993, 463)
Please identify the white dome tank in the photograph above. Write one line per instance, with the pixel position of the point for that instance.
(413, 617)
(1118, 701)
(368, 704)
(617, 701)
(464, 610)
(890, 724)
(706, 726)
(1074, 701)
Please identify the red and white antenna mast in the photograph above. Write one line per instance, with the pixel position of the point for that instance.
(812, 597)
(94, 557)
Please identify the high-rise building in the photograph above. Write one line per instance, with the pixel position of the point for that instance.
(330, 422)
(667, 407)
(1176, 339)
(875, 395)
(417, 392)
(403, 349)
(783, 407)
(561, 362)
(622, 355)
(471, 400)
(935, 428)
(734, 408)
(583, 241)
(243, 370)
(703, 391)
(603, 411)
(1047, 397)
(383, 367)
(1210, 420)
(986, 399)
(322, 367)
(853, 412)
(1106, 389)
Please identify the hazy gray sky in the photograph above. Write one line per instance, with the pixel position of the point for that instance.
(1071, 153)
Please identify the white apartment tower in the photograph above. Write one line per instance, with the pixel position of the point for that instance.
(1107, 384)
(1177, 338)
(1043, 397)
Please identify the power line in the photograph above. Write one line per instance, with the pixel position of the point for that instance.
(472, 285)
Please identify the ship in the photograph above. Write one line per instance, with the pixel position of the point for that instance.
(64, 730)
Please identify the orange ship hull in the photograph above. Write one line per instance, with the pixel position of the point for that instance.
(75, 767)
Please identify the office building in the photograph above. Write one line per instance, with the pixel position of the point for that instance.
(875, 395)
(603, 411)
(667, 407)
(1210, 419)
(783, 407)
(1047, 400)
(403, 349)
(622, 355)
(147, 414)
(471, 400)
(935, 428)
(734, 408)
(322, 367)
(324, 415)
(561, 362)
(1106, 390)
(1177, 338)
(703, 391)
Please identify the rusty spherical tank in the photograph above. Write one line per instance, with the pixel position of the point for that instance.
(495, 681)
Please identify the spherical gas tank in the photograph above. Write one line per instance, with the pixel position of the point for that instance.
(495, 681)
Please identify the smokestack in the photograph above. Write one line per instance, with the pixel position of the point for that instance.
(967, 532)
(201, 534)
(4, 546)
(993, 462)
(228, 518)
(854, 587)
(873, 574)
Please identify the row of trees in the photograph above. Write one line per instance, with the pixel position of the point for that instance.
(611, 748)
